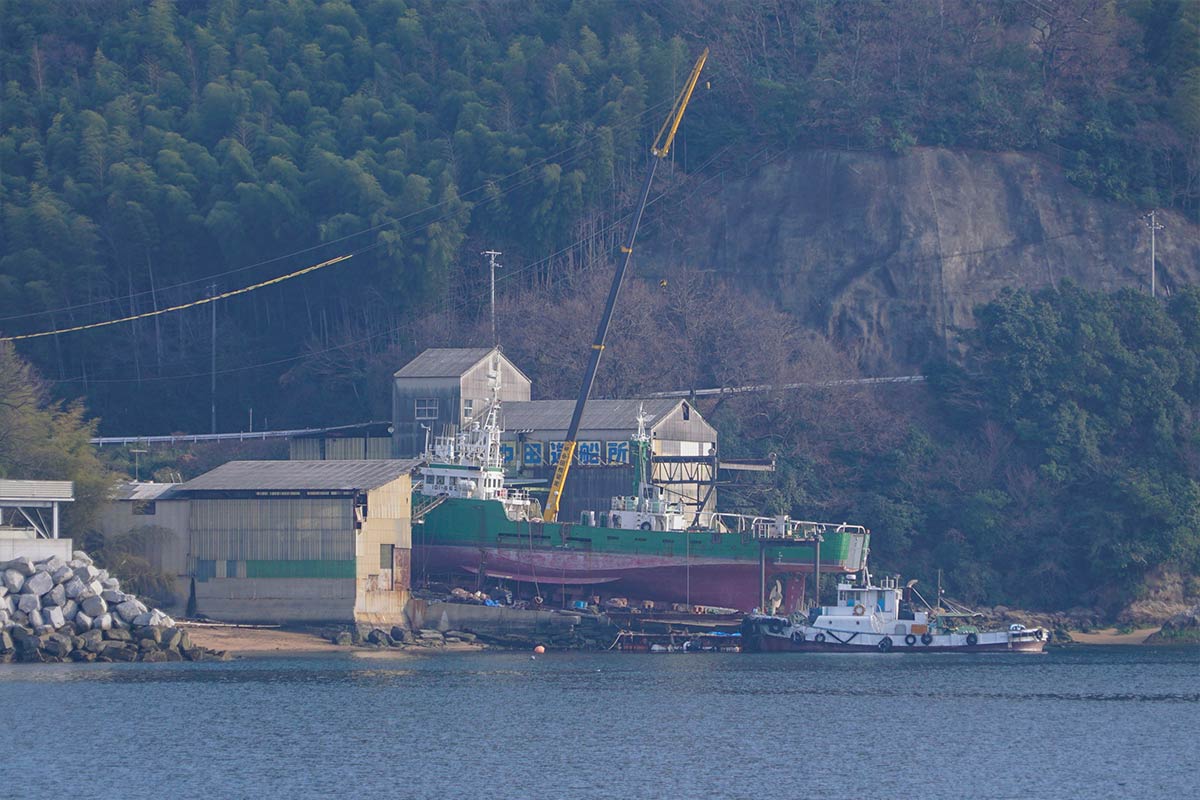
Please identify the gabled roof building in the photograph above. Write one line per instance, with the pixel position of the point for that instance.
(448, 386)
(301, 541)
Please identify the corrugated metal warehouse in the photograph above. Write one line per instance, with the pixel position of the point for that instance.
(302, 541)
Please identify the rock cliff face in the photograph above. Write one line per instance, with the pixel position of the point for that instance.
(891, 254)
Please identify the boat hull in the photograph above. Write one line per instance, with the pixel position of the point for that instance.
(712, 582)
(474, 537)
(775, 635)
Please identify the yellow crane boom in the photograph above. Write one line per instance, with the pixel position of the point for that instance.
(658, 151)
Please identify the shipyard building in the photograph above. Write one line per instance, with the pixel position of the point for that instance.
(301, 541)
(445, 388)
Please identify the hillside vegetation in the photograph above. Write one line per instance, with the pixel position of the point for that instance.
(151, 150)
(151, 153)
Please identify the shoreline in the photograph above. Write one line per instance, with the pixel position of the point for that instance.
(254, 642)
(1113, 637)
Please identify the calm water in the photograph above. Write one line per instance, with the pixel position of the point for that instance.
(1095, 722)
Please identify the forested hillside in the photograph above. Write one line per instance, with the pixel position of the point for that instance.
(152, 153)
(152, 150)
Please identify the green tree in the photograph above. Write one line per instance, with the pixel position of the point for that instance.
(41, 439)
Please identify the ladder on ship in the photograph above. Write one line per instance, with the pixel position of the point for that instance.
(420, 511)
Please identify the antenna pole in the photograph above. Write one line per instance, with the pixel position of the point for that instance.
(1154, 225)
(212, 389)
(492, 265)
(939, 605)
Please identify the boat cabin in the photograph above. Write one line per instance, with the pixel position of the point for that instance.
(648, 510)
(882, 608)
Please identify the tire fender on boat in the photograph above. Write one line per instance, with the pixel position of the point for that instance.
(1039, 634)
(972, 640)
(775, 626)
(926, 638)
(798, 636)
(819, 638)
(910, 640)
(885, 644)
(645, 526)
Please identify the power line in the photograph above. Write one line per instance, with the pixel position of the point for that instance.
(443, 309)
(588, 140)
(202, 301)
(280, 279)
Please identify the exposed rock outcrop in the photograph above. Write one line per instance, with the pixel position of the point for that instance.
(890, 254)
(1183, 628)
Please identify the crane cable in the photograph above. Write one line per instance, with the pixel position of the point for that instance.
(202, 301)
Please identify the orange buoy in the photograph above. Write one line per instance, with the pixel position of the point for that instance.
(539, 649)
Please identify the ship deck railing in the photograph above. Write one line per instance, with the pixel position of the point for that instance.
(776, 529)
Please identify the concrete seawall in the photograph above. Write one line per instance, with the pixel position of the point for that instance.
(489, 620)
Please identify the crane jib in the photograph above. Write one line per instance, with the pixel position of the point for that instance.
(662, 146)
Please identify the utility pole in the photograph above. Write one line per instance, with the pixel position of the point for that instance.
(136, 465)
(1154, 225)
(492, 265)
(212, 389)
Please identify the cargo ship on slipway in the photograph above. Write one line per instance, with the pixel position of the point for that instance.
(643, 547)
(880, 618)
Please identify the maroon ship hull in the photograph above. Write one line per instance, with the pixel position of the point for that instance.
(671, 579)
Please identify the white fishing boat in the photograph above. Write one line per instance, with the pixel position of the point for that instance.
(883, 619)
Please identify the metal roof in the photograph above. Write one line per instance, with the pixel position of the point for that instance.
(44, 491)
(147, 490)
(444, 362)
(598, 415)
(344, 476)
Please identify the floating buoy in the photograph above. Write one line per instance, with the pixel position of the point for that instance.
(539, 649)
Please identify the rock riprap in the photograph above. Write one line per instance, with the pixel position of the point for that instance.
(55, 610)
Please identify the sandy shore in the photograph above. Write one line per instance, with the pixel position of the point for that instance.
(258, 641)
(1110, 636)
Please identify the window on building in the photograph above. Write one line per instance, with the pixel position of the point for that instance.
(143, 508)
(468, 409)
(427, 408)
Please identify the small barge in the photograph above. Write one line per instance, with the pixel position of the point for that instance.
(880, 619)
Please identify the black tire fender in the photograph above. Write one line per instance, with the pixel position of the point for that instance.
(885, 644)
(972, 640)
(910, 640)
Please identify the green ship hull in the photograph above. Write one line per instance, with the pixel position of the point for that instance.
(705, 567)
